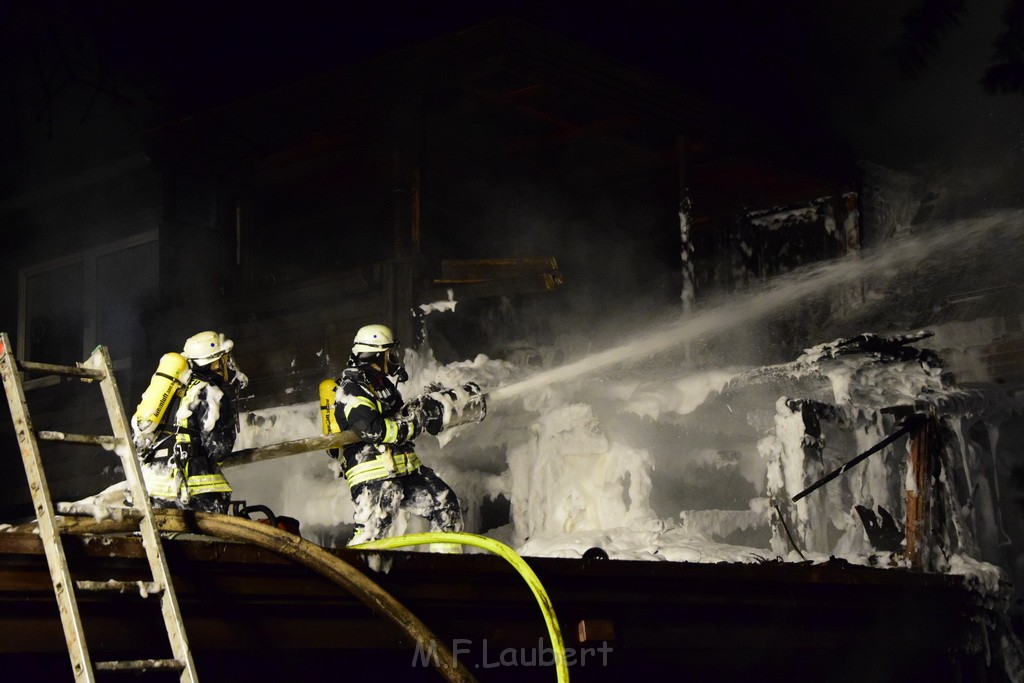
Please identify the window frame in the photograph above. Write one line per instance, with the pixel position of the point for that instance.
(88, 258)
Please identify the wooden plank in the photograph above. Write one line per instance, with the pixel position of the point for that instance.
(471, 270)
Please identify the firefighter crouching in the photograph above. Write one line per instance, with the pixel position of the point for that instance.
(186, 425)
(383, 471)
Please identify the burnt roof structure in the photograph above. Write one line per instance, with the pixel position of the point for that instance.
(491, 145)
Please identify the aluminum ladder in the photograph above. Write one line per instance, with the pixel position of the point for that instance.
(96, 368)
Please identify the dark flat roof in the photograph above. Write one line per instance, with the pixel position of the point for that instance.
(252, 615)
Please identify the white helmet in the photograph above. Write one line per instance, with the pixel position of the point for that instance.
(373, 339)
(206, 347)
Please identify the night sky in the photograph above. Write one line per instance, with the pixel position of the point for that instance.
(834, 69)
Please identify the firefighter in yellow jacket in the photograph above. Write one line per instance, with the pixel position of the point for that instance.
(186, 425)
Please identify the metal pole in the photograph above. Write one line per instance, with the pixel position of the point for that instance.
(909, 425)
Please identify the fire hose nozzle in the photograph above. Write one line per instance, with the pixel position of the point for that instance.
(446, 408)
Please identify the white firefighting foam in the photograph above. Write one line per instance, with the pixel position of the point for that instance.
(582, 464)
(573, 480)
(569, 483)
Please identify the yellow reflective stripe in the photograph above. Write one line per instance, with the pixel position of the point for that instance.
(390, 431)
(162, 486)
(360, 401)
(376, 469)
(161, 482)
(207, 483)
(205, 478)
(183, 436)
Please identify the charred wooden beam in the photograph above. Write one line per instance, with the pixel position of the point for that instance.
(482, 270)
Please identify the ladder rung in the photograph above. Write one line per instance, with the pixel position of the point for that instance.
(64, 370)
(140, 665)
(144, 588)
(88, 439)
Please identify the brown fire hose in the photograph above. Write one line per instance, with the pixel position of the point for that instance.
(300, 550)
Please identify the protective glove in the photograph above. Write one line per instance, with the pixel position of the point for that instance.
(144, 441)
(432, 416)
(408, 427)
(237, 376)
(423, 413)
(144, 434)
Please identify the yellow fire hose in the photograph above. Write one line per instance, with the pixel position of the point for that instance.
(498, 548)
(339, 571)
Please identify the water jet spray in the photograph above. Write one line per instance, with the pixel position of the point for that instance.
(782, 292)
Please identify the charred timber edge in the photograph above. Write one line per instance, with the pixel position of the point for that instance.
(118, 548)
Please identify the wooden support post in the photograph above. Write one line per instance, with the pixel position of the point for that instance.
(414, 210)
(923, 463)
(689, 291)
(399, 278)
(406, 182)
(847, 218)
(806, 518)
(849, 221)
(401, 273)
(814, 467)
